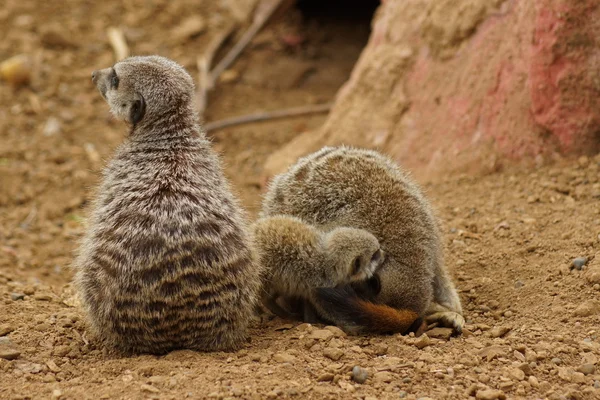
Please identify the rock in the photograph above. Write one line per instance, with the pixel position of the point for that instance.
(422, 341)
(321, 334)
(579, 263)
(52, 127)
(526, 368)
(8, 350)
(380, 349)
(519, 284)
(56, 394)
(359, 375)
(402, 394)
(17, 296)
(149, 388)
(61, 351)
(517, 374)
(326, 377)
(491, 352)
(587, 308)
(333, 353)
(284, 358)
(499, 331)
(490, 394)
(337, 332)
(383, 376)
(587, 369)
(284, 327)
(533, 381)
(190, 27)
(5, 329)
(16, 70)
(508, 314)
(556, 361)
(52, 366)
(440, 333)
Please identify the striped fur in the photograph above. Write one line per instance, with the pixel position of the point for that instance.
(167, 262)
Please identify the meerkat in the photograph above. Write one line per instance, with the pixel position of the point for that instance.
(167, 261)
(298, 259)
(357, 188)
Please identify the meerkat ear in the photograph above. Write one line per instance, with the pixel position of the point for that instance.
(138, 109)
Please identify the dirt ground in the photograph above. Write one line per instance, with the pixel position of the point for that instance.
(532, 321)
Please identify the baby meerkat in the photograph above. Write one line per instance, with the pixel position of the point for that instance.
(166, 262)
(344, 186)
(298, 259)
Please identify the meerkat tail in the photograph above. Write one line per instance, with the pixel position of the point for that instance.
(344, 307)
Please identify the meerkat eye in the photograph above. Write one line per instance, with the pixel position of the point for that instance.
(114, 80)
(376, 256)
(356, 266)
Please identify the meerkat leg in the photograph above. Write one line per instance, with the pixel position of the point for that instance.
(445, 307)
(273, 306)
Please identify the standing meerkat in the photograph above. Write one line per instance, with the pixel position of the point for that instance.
(344, 186)
(166, 262)
(298, 259)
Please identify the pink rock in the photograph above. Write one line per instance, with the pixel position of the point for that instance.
(469, 86)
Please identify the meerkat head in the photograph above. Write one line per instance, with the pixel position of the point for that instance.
(355, 254)
(139, 88)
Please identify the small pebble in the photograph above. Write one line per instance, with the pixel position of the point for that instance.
(42, 297)
(597, 384)
(8, 350)
(56, 394)
(508, 314)
(326, 377)
(519, 284)
(284, 358)
(383, 376)
(587, 308)
(402, 394)
(5, 329)
(440, 333)
(587, 369)
(499, 331)
(359, 375)
(149, 388)
(556, 361)
(333, 353)
(490, 394)
(321, 334)
(579, 263)
(406, 380)
(17, 296)
(422, 341)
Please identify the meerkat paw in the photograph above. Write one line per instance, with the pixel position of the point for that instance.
(447, 319)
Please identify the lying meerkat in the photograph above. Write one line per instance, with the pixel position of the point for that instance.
(343, 186)
(298, 259)
(166, 262)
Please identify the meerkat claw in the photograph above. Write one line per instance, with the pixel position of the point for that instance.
(448, 319)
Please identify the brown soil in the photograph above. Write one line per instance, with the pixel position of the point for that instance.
(511, 237)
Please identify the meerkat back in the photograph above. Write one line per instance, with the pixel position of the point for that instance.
(166, 262)
(343, 186)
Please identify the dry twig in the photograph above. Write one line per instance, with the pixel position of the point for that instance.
(117, 40)
(268, 115)
(261, 16)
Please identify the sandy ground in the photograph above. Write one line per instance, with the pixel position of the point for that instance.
(511, 237)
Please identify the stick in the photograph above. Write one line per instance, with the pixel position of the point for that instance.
(117, 40)
(203, 63)
(268, 115)
(260, 18)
